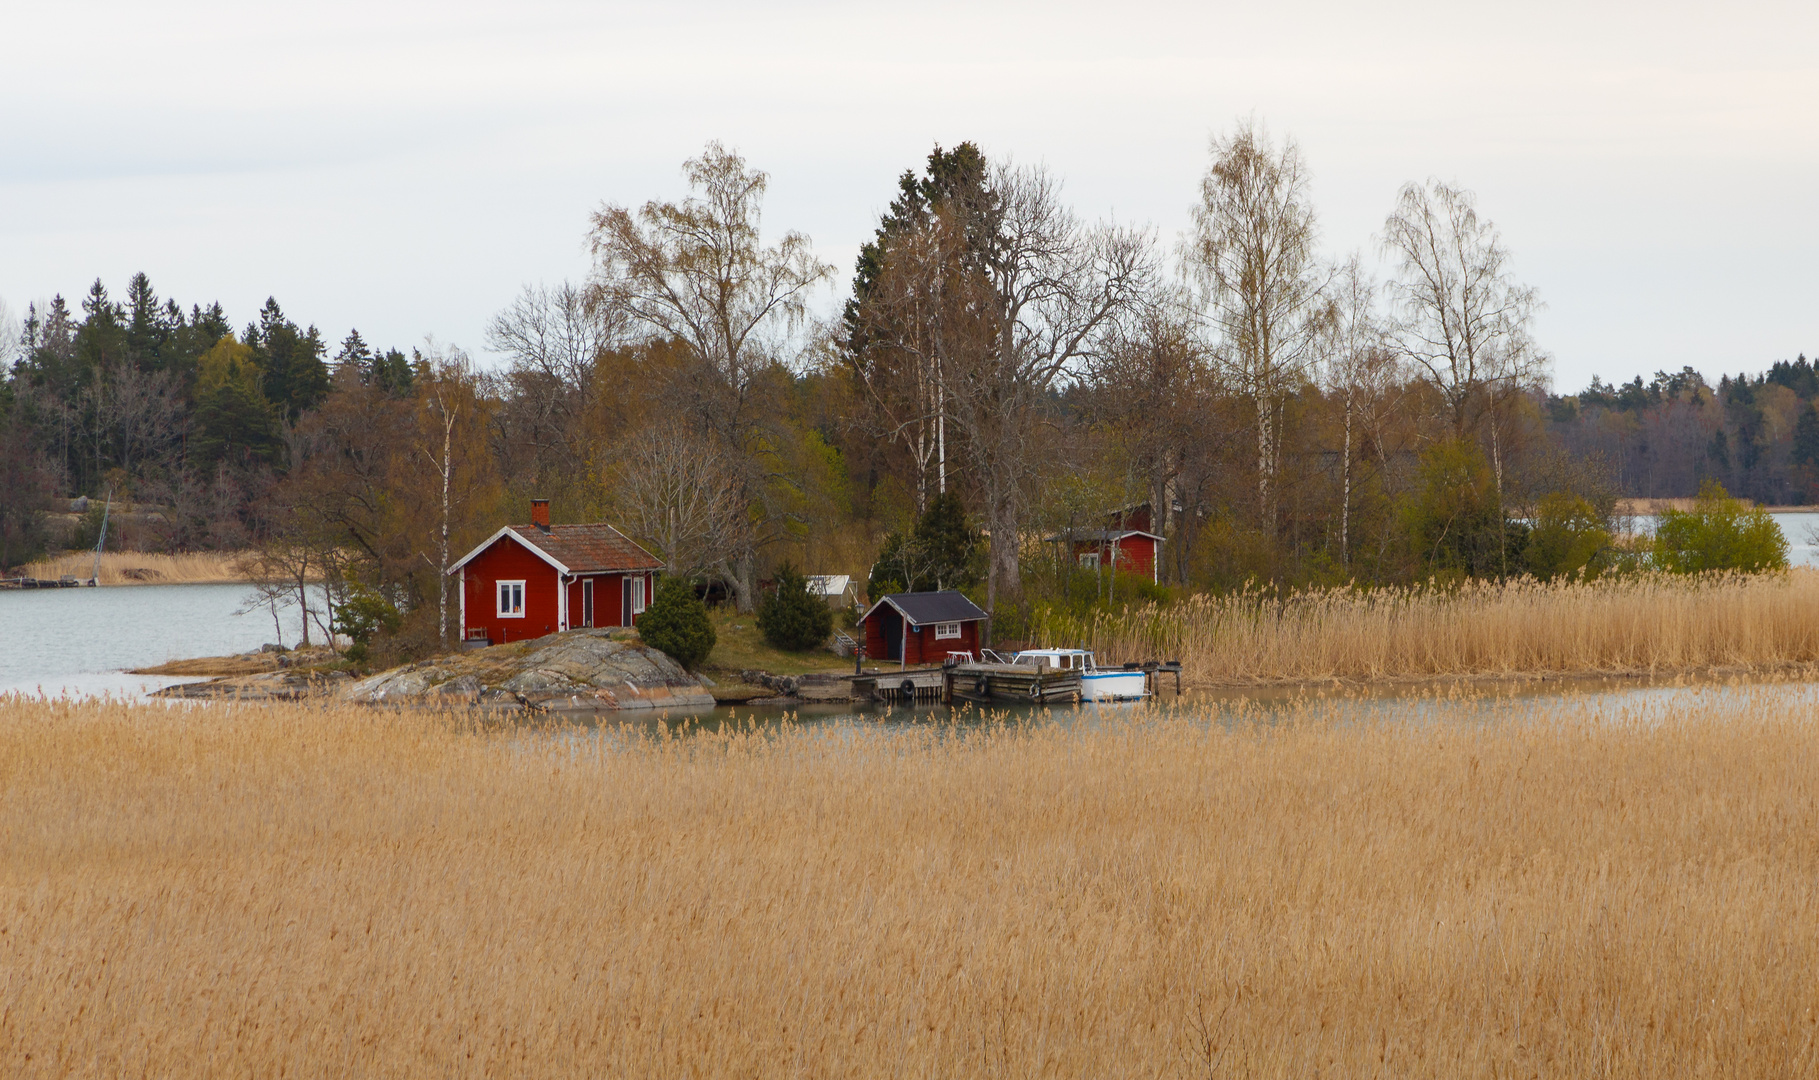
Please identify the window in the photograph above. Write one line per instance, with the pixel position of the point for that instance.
(634, 588)
(1089, 560)
(947, 630)
(511, 599)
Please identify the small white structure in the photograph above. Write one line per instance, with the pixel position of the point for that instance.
(836, 589)
(1114, 684)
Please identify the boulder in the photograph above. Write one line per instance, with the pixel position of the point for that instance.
(579, 671)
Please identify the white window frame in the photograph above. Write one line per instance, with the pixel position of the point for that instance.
(499, 595)
(946, 630)
(1089, 560)
(638, 595)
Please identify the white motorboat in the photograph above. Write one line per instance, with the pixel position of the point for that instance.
(1096, 684)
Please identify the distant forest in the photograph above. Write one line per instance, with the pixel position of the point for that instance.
(1288, 419)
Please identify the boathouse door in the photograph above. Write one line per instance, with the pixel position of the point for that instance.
(890, 624)
(587, 601)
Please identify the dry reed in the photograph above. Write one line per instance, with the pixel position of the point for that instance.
(146, 568)
(288, 891)
(1622, 625)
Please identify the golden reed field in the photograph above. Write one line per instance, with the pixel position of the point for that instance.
(1618, 625)
(1570, 890)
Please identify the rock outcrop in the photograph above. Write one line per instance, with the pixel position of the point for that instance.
(579, 671)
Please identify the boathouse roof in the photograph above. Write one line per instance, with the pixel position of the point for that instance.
(922, 608)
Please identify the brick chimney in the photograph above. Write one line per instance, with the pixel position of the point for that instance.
(540, 513)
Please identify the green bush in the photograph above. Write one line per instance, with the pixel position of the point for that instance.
(1569, 536)
(1719, 533)
(790, 618)
(677, 624)
(364, 614)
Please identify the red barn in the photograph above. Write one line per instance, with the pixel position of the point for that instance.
(525, 581)
(921, 627)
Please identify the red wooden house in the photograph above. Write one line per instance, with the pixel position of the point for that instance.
(525, 581)
(1124, 541)
(921, 627)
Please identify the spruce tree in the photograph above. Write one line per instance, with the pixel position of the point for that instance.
(791, 617)
(676, 623)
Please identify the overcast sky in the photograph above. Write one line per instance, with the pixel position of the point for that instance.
(405, 168)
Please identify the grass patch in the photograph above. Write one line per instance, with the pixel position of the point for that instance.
(738, 646)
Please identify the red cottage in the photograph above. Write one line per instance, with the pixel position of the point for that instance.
(1125, 542)
(921, 627)
(525, 581)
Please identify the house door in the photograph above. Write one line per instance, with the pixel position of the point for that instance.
(587, 601)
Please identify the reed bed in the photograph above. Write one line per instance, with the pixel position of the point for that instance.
(315, 892)
(146, 568)
(1620, 625)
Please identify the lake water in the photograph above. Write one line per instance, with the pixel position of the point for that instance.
(80, 641)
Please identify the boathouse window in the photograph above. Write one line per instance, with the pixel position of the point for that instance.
(634, 595)
(511, 599)
(1089, 560)
(947, 630)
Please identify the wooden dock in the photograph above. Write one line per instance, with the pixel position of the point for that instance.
(910, 685)
(1004, 684)
(1012, 684)
(42, 583)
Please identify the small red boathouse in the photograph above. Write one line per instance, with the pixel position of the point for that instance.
(525, 581)
(921, 627)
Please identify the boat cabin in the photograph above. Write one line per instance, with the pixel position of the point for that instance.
(922, 627)
(1059, 659)
(525, 581)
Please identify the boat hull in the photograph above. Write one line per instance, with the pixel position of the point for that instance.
(1113, 686)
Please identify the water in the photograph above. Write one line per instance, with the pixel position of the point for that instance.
(80, 641)
(1800, 528)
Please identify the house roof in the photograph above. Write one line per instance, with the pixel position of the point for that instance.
(595, 548)
(922, 608)
(1103, 536)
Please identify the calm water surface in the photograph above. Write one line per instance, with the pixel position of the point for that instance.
(80, 641)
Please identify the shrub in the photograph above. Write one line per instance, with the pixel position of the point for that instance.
(1568, 537)
(364, 614)
(790, 618)
(677, 624)
(1719, 533)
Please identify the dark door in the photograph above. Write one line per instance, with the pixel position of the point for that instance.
(587, 601)
(890, 624)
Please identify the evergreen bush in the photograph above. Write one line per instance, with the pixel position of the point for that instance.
(676, 623)
(790, 617)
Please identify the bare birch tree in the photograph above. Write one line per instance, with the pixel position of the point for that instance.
(1463, 320)
(698, 272)
(1361, 370)
(1252, 257)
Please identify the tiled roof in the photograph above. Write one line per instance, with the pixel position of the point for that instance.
(589, 549)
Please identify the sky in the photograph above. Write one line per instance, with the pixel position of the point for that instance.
(406, 168)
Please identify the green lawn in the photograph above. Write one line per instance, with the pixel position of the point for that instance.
(738, 646)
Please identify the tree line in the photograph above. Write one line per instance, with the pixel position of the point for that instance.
(1002, 375)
